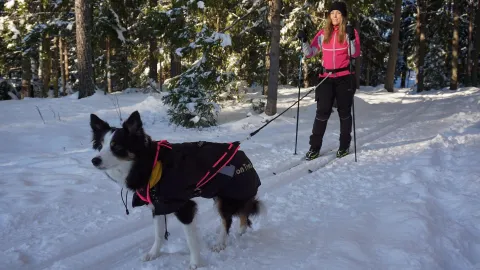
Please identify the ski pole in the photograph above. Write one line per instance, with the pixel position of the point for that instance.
(269, 121)
(353, 97)
(298, 102)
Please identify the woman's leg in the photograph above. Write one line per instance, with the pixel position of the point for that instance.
(325, 96)
(344, 95)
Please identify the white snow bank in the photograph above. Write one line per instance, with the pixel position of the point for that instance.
(410, 202)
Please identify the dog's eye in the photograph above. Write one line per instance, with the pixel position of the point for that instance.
(117, 148)
(112, 144)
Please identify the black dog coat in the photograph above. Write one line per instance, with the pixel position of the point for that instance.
(185, 165)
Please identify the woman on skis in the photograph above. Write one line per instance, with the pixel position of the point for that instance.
(333, 41)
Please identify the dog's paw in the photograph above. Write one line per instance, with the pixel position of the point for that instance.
(196, 261)
(243, 230)
(151, 255)
(219, 247)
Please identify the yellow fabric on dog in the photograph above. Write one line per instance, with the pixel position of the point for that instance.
(156, 174)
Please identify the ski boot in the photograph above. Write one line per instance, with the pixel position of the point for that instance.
(313, 153)
(343, 152)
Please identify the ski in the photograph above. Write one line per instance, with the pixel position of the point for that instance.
(328, 158)
(290, 165)
(302, 161)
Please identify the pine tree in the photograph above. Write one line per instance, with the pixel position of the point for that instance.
(194, 94)
(454, 74)
(271, 107)
(298, 17)
(374, 46)
(436, 67)
(392, 59)
(407, 40)
(421, 32)
(476, 50)
(471, 16)
(83, 13)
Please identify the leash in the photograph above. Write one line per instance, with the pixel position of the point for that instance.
(271, 120)
(126, 199)
(232, 149)
(121, 195)
(216, 167)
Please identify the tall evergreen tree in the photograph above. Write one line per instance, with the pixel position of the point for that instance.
(392, 59)
(421, 33)
(476, 50)
(454, 74)
(83, 13)
(271, 107)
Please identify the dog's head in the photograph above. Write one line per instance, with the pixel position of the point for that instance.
(117, 146)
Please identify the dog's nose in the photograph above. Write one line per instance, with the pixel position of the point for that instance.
(96, 161)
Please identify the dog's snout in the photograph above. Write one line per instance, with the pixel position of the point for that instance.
(96, 161)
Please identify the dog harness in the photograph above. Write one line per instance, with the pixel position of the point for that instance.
(157, 169)
(212, 172)
(218, 166)
(156, 174)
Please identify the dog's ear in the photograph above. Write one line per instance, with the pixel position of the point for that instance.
(98, 124)
(134, 123)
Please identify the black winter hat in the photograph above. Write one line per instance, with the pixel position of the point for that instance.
(340, 6)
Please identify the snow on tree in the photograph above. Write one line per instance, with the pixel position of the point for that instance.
(194, 94)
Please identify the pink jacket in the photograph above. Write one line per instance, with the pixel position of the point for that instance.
(335, 54)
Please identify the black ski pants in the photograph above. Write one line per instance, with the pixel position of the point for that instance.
(339, 89)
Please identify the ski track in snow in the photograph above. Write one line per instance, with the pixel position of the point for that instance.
(410, 202)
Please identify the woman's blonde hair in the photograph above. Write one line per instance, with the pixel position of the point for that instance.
(328, 30)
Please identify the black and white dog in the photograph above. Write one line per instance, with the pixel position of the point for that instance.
(167, 176)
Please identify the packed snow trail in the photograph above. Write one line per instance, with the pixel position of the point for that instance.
(410, 202)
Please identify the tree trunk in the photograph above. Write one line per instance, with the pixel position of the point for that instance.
(160, 80)
(84, 47)
(175, 64)
(392, 59)
(152, 60)
(108, 68)
(421, 23)
(454, 77)
(124, 69)
(67, 71)
(26, 75)
(35, 88)
(153, 53)
(271, 107)
(476, 50)
(92, 45)
(367, 76)
(266, 67)
(45, 64)
(404, 69)
(161, 76)
(305, 73)
(55, 65)
(287, 66)
(468, 77)
(62, 64)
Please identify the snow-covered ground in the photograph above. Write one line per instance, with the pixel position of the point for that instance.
(412, 201)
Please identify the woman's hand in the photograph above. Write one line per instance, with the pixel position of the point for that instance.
(302, 36)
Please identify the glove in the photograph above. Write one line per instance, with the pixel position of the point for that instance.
(350, 32)
(302, 36)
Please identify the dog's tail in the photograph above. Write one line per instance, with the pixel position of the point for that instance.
(255, 207)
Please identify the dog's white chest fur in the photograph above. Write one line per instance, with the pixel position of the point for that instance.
(119, 173)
